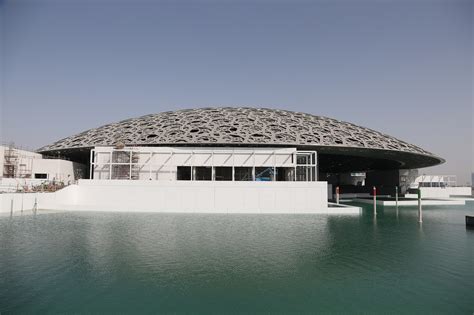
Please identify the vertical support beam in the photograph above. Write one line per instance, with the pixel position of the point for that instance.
(233, 164)
(316, 166)
(274, 166)
(110, 165)
(337, 194)
(295, 161)
(91, 162)
(213, 171)
(130, 171)
(149, 164)
(420, 211)
(253, 167)
(193, 160)
(375, 200)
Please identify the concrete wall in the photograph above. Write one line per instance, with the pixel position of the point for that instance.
(440, 193)
(197, 196)
(63, 199)
(58, 170)
(203, 196)
(30, 163)
(459, 191)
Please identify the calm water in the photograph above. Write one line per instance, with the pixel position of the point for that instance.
(129, 263)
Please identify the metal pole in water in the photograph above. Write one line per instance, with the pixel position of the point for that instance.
(11, 207)
(375, 200)
(396, 196)
(396, 199)
(420, 211)
(35, 206)
(337, 194)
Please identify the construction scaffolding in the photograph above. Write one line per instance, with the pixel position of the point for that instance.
(14, 164)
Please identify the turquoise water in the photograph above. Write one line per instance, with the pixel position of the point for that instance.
(130, 263)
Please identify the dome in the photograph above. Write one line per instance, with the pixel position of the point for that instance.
(250, 127)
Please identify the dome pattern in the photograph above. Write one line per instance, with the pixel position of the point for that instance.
(235, 126)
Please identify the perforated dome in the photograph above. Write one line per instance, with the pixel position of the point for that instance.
(239, 127)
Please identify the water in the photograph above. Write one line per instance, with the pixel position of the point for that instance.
(129, 263)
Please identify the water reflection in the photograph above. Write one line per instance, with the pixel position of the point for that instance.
(118, 262)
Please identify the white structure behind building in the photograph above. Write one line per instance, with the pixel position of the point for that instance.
(22, 168)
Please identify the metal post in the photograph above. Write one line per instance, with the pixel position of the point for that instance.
(35, 206)
(337, 194)
(11, 207)
(149, 164)
(420, 211)
(91, 163)
(396, 196)
(110, 165)
(130, 171)
(375, 200)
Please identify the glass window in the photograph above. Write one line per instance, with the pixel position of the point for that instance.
(303, 159)
(121, 157)
(41, 175)
(285, 174)
(184, 173)
(264, 174)
(243, 174)
(202, 173)
(120, 171)
(223, 173)
(303, 173)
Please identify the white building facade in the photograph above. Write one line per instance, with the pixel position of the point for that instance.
(203, 164)
(23, 168)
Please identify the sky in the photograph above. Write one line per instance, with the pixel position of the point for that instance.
(402, 67)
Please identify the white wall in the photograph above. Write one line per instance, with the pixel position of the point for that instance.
(459, 191)
(32, 163)
(438, 192)
(25, 160)
(203, 196)
(63, 199)
(58, 170)
(177, 196)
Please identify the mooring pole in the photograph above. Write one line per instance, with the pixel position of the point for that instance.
(11, 207)
(420, 211)
(337, 194)
(375, 200)
(35, 206)
(396, 196)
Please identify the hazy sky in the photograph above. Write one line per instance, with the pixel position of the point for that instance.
(401, 67)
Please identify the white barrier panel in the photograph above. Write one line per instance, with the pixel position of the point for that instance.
(203, 196)
(60, 200)
(459, 191)
(179, 196)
